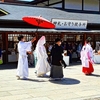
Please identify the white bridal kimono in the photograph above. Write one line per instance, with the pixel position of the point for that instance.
(42, 66)
(22, 68)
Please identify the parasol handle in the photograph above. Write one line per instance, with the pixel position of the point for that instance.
(38, 23)
(36, 30)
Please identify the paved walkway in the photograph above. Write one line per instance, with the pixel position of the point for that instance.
(75, 86)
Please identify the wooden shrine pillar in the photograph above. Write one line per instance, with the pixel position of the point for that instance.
(62, 35)
(5, 47)
(84, 38)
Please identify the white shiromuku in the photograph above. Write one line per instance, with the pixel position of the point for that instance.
(22, 68)
(42, 66)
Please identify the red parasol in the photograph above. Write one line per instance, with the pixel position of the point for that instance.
(38, 21)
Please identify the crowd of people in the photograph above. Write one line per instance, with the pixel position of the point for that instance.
(97, 48)
(49, 58)
(72, 48)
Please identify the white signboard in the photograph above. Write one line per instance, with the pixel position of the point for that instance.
(69, 24)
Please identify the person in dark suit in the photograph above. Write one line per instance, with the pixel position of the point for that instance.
(69, 51)
(57, 60)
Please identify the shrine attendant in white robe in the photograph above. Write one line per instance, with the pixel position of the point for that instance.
(23, 49)
(42, 66)
(87, 58)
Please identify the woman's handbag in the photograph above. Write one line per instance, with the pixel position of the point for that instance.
(1, 61)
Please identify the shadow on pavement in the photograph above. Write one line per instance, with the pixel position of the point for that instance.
(35, 80)
(95, 75)
(8, 66)
(46, 76)
(66, 81)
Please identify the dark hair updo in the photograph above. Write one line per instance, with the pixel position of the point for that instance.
(57, 40)
(20, 37)
(88, 39)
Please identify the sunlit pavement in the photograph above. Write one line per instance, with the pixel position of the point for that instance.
(74, 86)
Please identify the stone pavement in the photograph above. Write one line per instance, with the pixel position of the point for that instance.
(75, 86)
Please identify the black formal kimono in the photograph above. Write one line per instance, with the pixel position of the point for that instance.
(56, 69)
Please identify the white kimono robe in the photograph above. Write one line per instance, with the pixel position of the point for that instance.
(42, 66)
(22, 68)
(86, 55)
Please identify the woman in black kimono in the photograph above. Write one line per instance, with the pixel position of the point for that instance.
(57, 60)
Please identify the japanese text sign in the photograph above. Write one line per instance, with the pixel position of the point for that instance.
(69, 24)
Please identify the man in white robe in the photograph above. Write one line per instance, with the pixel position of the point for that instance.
(42, 66)
(23, 49)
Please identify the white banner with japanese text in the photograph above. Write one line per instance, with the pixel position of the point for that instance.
(69, 24)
